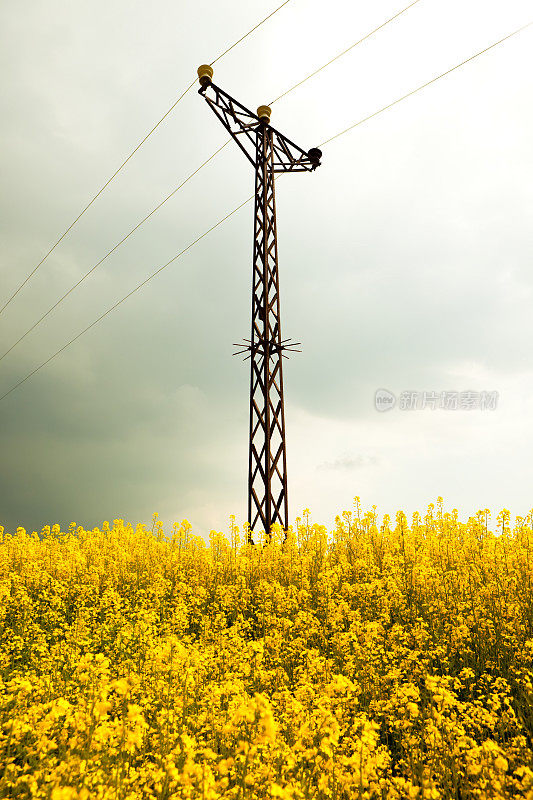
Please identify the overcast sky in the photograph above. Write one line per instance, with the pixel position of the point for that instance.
(405, 259)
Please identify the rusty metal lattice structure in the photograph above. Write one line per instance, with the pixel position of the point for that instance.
(269, 152)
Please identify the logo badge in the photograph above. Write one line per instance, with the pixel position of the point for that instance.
(384, 400)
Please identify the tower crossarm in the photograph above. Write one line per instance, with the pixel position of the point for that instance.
(238, 120)
(245, 126)
(288, 157)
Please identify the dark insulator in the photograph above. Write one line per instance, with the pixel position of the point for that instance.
(315, 155)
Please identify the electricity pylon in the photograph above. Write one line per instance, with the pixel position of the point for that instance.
(269, 152)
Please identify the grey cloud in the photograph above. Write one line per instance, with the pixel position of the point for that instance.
(406, 254)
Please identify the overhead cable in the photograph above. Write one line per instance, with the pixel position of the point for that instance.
(237, 208)
(344, 52)
(121, 167)
(424, 85)
(296, 85)
(112, 250)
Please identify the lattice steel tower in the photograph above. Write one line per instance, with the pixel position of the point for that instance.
(269, 152)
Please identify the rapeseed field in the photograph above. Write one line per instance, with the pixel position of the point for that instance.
(380, 660)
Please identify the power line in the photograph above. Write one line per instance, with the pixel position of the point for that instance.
(249, 32)
(237, 208)
(339, 55)
(119, 302)
(424, 85)
(296, 85)
(96, 196)
(112, 250)
(121, 167)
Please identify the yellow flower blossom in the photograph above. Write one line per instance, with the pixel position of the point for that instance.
(387, 659)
